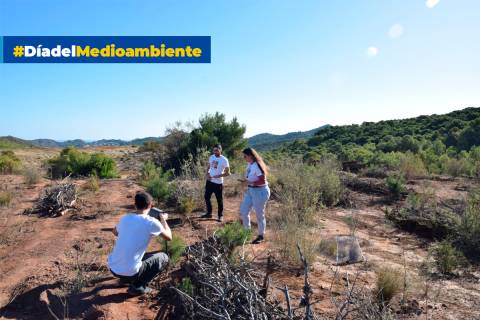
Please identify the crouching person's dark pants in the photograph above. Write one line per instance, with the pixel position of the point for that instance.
(152, 265)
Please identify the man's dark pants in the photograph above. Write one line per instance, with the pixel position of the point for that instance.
(217, 189)
(152, 264)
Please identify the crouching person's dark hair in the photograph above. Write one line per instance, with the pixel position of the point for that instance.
(143, 200)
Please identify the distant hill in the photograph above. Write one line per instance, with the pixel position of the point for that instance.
(268, 141)
(82, 143)
(10, 142)
(263, 141)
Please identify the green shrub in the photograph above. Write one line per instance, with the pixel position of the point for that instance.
(174, 248)
(75, 163)
(389, 283)
(233, 235)
(31, 176)
(5, 198)
(9, 162)
(396, 185)
(186, 205)
(412, 166)
(151, 146)
(186, 286)
(468, 228)
(149, 171)
(456, 167)
(102, 166)
(447, 259)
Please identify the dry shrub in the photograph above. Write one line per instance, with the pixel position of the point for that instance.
(189, 186)
(389, 283)
(5, 198)
(289, 233)
(187, 195)
(92, 184)
(305, 185)
(328, 247)
(186, 205)
(301, 190)
(31, 176)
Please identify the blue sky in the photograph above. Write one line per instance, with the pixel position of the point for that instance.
(278, 66)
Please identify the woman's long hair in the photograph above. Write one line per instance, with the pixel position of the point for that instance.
(256, 158)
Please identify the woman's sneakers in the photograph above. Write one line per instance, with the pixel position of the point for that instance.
(138, 291)
(258, 239)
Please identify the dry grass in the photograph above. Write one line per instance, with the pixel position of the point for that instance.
(328, 247)
(92, 184)
(389, 283)
(31, 176)
(5, 198)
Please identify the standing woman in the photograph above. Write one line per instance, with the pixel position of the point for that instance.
(257, 193)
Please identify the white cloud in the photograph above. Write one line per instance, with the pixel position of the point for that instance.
(431, 3)
(395, 31)
(372, 51)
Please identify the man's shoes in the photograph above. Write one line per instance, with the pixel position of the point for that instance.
(138, 291)
(258, 239)
(220, 219)
(206, 216)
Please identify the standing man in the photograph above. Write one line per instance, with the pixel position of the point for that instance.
(218, 167)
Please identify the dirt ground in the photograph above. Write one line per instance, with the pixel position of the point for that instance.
(41, 257)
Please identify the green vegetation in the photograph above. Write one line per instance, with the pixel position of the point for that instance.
(9, 162)
(436, 144)
(446, 257)
(467, 231)
(10, 142)
(426, 216)
(81, 164)
(186, 286)
(182, 142)
(186, 205)
(268, 141)
(156, 181)
(233, 235)
(174, 249)
(396, 185)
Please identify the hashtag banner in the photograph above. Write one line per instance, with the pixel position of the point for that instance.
(105, 49)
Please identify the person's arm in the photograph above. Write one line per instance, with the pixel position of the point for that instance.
(167, 232)
(207, 174)
(259, 182)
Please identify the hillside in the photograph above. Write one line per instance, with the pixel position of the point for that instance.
(458, 129)
(9, 142)
(268, 141)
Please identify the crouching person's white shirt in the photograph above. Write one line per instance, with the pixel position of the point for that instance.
(134, 234)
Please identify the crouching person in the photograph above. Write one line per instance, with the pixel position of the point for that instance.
(128, 260)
